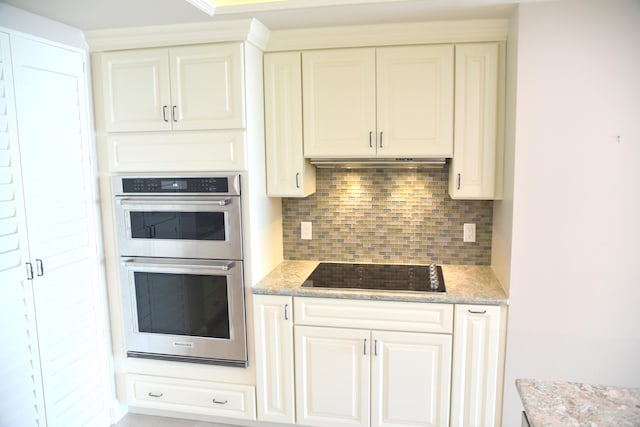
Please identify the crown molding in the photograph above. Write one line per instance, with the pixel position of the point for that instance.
(390, 34)
(250, 30)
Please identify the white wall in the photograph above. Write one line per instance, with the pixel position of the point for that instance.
(575, 256)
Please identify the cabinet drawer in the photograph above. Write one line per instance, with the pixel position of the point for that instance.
(380, 315)
(197, 397)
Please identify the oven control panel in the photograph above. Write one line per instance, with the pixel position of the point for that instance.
(224, 185)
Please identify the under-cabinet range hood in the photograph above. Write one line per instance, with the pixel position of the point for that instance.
(379, 162)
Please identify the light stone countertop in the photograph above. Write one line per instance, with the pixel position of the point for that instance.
(568, 404)
(464, 285)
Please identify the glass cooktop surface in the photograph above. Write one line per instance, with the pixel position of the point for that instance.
(381, 277)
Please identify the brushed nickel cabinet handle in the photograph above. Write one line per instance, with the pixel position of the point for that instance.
(164, 114)
(150, 394)
(297, 179)
(286, 312)
(477, 312)
(380, 139)
(459, 180)
(174, 114)
(39, 268)
(29, 270)
(219, 402)
(370, 139)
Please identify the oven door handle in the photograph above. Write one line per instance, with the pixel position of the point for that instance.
(221, 266)
(141, 201)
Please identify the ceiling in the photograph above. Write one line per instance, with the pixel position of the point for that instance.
(101, 14)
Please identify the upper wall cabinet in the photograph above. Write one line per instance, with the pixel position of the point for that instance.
(182, 88)
(385, 102)
(476, 167)
(289, 174)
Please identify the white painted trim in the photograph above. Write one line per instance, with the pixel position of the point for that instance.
(390, 34)
(250, 30)
(272, 6)
(255, 32)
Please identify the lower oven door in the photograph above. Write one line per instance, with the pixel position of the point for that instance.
(184, 309)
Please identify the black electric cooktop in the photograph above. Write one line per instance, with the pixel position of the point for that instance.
(380, 277)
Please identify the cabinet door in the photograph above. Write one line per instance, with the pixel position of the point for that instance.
(288, 173)
(21, 399)
(410, 379)
(207, 87)
(474, 168)
(415, 101)
(51, 103)
(274, 358)
(339, 99)
(332, 376)
(477, 366)
(177, 151)
(136, 90)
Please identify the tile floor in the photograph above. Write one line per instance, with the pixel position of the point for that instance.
(135, 420)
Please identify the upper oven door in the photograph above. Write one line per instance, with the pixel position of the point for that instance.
(207, 227)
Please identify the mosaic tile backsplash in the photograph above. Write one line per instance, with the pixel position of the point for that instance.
(386, 216)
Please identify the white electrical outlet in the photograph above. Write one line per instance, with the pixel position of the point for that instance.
(469, 234)
(305, 230)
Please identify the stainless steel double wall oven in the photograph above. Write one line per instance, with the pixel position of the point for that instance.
(180, 247)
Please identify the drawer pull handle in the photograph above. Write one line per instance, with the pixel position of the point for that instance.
(155, 394)
(220, 402)
(478, 312)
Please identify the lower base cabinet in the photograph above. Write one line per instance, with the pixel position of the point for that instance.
(372, 363)
(192, 397)
(378, 363)
(354, 377)
(478, 361)
(410, 379)
(273, 323)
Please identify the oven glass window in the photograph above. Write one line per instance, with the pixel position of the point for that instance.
(182, 304)
(178, 225)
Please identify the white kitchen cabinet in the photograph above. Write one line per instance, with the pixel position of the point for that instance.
(415, 101)
(410, 379)
(339, 103)
(289, 174)
(193, 397)
(53, 365)
(273, 323)
(221, 150)
(404, 375)
(332, 376)
(476, 167)
(349, 374)
(21, 398)
(179, 88)
(478, 362)
(384, 102)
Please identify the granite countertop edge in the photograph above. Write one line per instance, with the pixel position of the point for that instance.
(465, 285)
(567, 404)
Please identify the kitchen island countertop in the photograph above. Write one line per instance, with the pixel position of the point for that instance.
(568, 404)
(465, 285)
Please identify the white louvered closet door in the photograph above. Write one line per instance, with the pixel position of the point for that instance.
(51, 105)
(21, 401)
